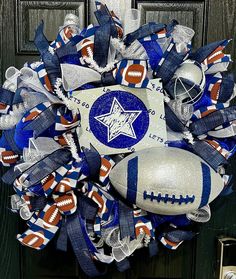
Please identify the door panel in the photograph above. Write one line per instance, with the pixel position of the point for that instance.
(222, 223)
(186, 13)
(221, 24)
(212, 20)
(31, 13)
(48, 263)
(10, 249)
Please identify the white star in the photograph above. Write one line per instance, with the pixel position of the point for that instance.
(119, 121)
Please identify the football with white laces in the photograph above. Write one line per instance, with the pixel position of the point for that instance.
(166, 180)
(135, 73)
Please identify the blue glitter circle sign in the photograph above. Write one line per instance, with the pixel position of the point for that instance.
(119, 119)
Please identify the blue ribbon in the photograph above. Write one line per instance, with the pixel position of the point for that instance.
(126, 221)
(40, 40)
(68, 54)
(143, 31)
(104, 17)
(101, 44)
(123, 265)
(76, 231)
(171, 61)
(47, 165)
(213, 120)
(179, 235)
(202, 53)
(38, 203)
(93, 159)
(9, 137)
(17, 96)
(10, 176)
(209, 154)
(88, 208)
(6, 96)
(62, 240)
(172, 121)
(153, 248)
(227, 87)
(51, 61)
(40, 124)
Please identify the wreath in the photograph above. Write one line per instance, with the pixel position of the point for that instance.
(154, 154)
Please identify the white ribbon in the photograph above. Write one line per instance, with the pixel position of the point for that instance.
(11, 76)
(132, 21)
(30, 79)
(38, 148)
(201, 215)
(182, 35)
(74, 76)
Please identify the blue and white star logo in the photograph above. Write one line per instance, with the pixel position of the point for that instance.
(119, 121)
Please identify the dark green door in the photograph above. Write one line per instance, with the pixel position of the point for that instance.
(212, 20)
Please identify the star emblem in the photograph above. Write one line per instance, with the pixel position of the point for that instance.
(119, 121)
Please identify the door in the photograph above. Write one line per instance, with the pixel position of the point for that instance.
(212, 20)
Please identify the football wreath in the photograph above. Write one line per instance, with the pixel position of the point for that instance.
(118, 129)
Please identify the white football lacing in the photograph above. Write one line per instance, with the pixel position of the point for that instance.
(214, 55)
(54, 215)
(64, 202)
(134, 74)
(10, 157)
(104, 168)
(33, 241)
(90, 52)
(62, 188)
(44, 180)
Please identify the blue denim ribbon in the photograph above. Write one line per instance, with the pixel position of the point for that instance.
(42, 122)
(172, 121)
(123, 265)
(93, 159)
(101, 44)
(6, 96)
(9, 136)
(126, 221)
(227, 87)
(68, 54)
(202, 53)
(104, 17)
(209, 154)
(17, 96)
(47, 165)
(153, 248)
(51, 61)
(88, 208)
(108, 79)
(38, 203)
(40, 40)
(213, 120)
(77, 234)
(179, 235)
(171, 61)
(10, 176)
(62, 240)
(143, 31)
